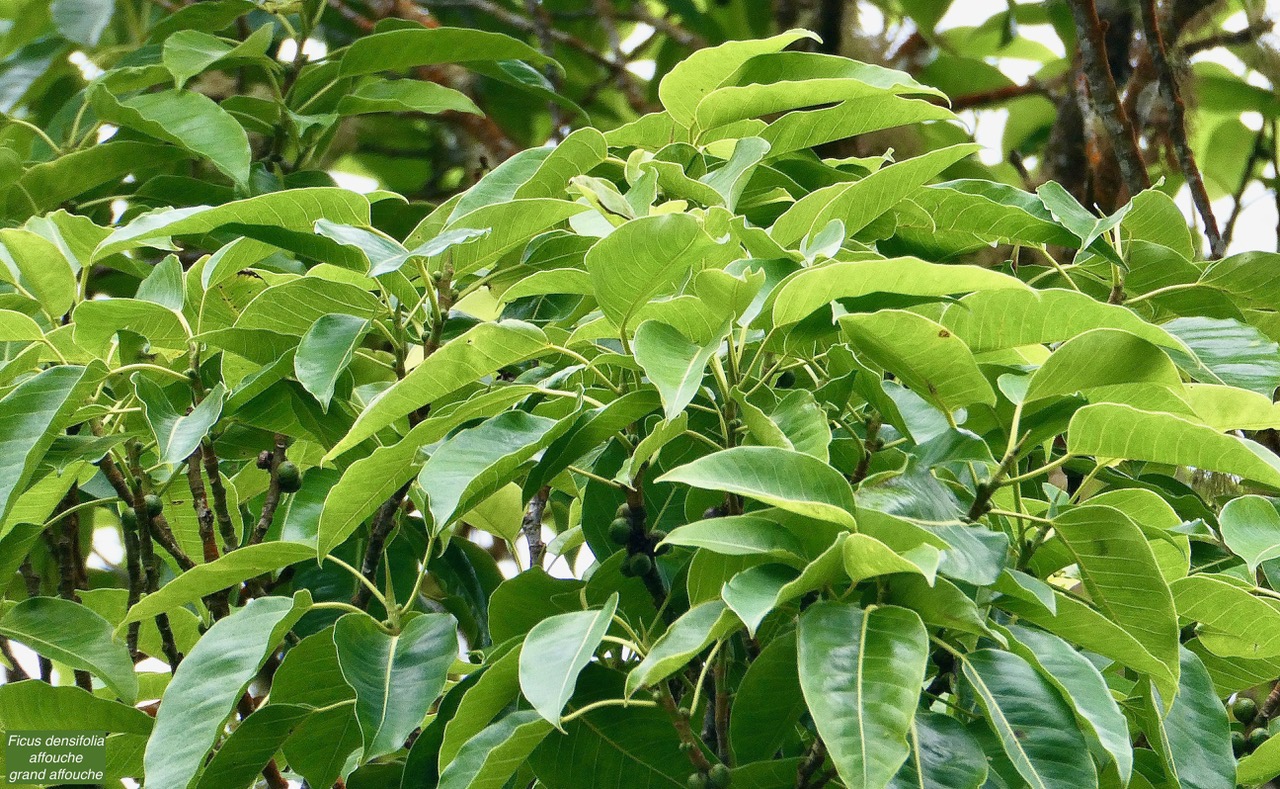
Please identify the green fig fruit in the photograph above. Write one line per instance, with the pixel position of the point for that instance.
(155, 504)
(620, 531)
(290, 477)
(1245, 710)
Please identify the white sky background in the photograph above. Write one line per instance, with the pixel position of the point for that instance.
(1256, 228)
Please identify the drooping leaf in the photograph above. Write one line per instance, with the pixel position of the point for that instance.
(325, 351)
(396, 677)
(861, 672)
(75, 636)
(686, 637)
(555, 651)
(208, 683)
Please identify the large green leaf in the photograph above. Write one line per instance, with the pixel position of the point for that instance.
(187, 119)
(294, 210)
(75, 636)
(1114, 431)
(692, 79)
(475, 463)
(246, 562)
(396, 677)
(479, 352)
(809, 289)
(1083, 687)
(645, 258)
(361, 489)
(31, 414)
(786, 479)
(740, 535)
(488, 760)
(96, 323)
(685, 638)
(616, 747)
(398, 50)
(859, 203)
(768, 702)
(1035, 726)
(861, 672)
(209, 682)
(248, 749)
(1102, 358)
(1194, 737)
(935, 363)
(673, 363)
(33, 704)
(1233, 622)
(40, 268)
(759, 589)
(944, 755)
(555, 651)
(1119, 570)
(1228, 352)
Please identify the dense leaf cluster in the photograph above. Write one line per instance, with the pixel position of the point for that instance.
(827, 503)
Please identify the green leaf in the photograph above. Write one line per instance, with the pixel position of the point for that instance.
(488, 760)
(1108, 430)
(481, 351)
(1102, 358)
(1227, 352)
(1260, 766)
(788, 480)
(860, 203)
(72, 634)
(405, 95)
(768, 702)
(646, 258)
(190, 52)
(31, 704)
(225, 572)
(674, 364)
(251, 745)
(1233, 622)
(1250, 527)
(1194, 737)
(555, 651)
(1119, 569)
(17, 327)
(685, 638)
(685, 85)
(1083, 687)
(866, 557)
(1034, 725)
(861, 672)
(82, 21)
(325, 351)
(740, 535)
(187, 119)
(758, 590)
(399, 50)
(177, 434)
(1076, 218)
(210, 681)
(807, 290)
(291, 211)
(475, 463)
(31, 414)
(944, 755)
(989, 320)
(615, 748)
(96, 323)
(40, 268)
(396, 677)
(931, 360)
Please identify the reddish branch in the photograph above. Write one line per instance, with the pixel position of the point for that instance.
(1178, 126)
(1104, 96)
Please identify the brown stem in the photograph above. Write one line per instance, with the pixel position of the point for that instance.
(1105, 98)
(1237, 200)
(870, 445)
(200, 503)
(688, 740)
(1248, 35)
(272, 499)
(813, 759)
(722, 710)
(226, 527)
(531, 527)
(383, 521)
(1178, 126)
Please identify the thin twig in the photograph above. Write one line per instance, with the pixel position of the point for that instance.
(1178, 127)
(272, 498)
(1104, 96)
(531, 526)
(1248, 35)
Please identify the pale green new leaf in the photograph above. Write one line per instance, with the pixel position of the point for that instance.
(177, 434)
(325, 351)
(1250, 527)
(673, 363)
(685, 638)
